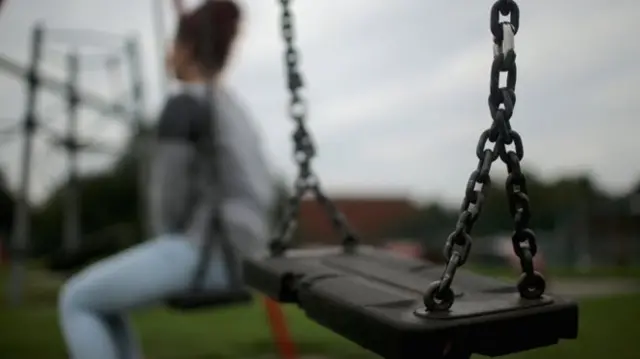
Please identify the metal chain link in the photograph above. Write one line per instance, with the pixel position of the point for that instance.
(439, 296)
(304, 151)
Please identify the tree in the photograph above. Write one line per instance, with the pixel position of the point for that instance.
(551, 205)
(108, 198)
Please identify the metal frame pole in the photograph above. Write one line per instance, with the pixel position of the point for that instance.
(21, 232)
(56, 86)
(159, 29)
(71, 236)
(138, 105)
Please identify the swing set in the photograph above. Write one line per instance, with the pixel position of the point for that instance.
(406, 308)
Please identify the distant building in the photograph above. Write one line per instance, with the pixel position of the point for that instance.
(373, 218)
(406, 247)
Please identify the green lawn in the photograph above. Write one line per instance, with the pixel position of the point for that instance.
(608, 328)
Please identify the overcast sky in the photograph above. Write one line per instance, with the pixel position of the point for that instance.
(397, 89)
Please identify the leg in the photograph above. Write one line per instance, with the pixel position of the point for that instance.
(93, 301)
(124, 336)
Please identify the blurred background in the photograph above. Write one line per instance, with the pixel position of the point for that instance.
(398, 98)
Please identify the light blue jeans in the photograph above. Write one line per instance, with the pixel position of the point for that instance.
(94, 304)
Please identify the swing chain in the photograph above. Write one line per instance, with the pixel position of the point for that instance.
(439, 295)
(304, 151)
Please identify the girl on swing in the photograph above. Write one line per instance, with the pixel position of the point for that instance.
(207, 157)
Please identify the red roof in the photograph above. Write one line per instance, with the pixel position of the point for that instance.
(371, 218)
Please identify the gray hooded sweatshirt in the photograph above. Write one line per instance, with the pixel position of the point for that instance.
(208, 160)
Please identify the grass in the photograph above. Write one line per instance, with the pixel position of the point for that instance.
(230, 333)
(607, 328)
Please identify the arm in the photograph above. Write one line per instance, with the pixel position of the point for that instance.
(170, 181)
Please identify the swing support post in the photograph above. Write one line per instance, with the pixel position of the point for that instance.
(279, 330)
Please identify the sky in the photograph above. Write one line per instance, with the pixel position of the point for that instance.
(397, 90)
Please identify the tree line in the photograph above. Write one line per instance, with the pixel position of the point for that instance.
(553, 203)
(109, 209)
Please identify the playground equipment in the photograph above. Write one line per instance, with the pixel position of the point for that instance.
(378, 300)
(34, 123)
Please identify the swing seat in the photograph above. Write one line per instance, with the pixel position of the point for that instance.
(209, 300)
(374, 298)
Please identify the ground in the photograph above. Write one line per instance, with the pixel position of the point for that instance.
(609, 313)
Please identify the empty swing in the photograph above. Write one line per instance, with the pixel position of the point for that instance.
(385, 303)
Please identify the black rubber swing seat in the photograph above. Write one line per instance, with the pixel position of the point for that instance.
(374, 298)
(208, 300)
